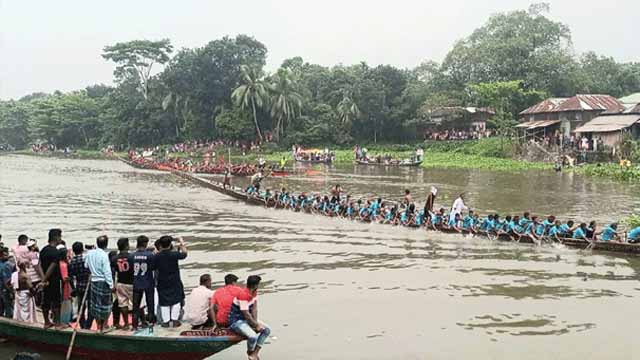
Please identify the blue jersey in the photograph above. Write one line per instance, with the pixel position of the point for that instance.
(467, 223)
(437, 219)
(607, 234)
(404, 217)
(579, 234)
(143, 267)
(634, 234)
(511, 225)
(363, 211)
(540, 229)
(528, 228)
(452, 222)
(350, 211)
(553, 231)
(388, 216)
(420, 218)
(563, 230)
(524, 222)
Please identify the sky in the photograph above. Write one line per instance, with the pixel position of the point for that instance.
(56, 45)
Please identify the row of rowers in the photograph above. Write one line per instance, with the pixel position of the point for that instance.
(459, 218)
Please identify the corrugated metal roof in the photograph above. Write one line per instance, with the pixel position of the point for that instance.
(631, 99)
(609, 123)
(544, 106)
(633, 109)
(537, 124)
(590, 103)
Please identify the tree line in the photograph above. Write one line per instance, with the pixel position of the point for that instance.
(221, 90)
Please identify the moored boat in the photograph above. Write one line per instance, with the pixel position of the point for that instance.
(401, 163)
(164, 344)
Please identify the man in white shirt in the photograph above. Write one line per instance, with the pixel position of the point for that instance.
(458, 207)
(196, 309)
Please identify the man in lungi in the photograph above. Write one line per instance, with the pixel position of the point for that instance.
(97, 261)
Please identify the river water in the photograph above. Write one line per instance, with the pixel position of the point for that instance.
(335, 289)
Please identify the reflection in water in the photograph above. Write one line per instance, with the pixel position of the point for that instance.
(336, 289)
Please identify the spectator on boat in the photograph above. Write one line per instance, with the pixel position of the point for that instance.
(97, 261)
(20, 250)
(6, 296)
(122, 268)
(634, 235)
(50, 257)
(223, 299)
(170, 288)
(79, 275)
(24, 308)
(243, 318)
(35, 270)
(143, 282)
(196, 309)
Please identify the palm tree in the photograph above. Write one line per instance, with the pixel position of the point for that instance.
(348, 110)
(253, 92)
(286, 102)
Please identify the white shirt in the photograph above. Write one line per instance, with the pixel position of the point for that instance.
(458, 206)
(197, 305)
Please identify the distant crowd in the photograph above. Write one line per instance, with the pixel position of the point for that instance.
(457, 135)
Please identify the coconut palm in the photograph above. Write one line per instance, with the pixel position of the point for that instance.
(348, 110)
(252, 93)
(286, 102)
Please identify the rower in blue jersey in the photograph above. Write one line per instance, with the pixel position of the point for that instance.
(487, 224)
(468, 221)
(539, 228)
(455, 222)
(610, 233)
(565, 230)
(525, 220)
(552, 232)
(351, 210)
(580, 232)
(420, 218)
(510, 228)
(634, 236)
(438, 217)
(498, 224)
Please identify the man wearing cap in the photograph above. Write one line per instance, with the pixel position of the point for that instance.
(222, 299)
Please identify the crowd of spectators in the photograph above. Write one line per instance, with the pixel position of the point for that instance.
(457, 135)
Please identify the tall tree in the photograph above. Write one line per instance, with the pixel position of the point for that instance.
(136, 58)
(251, 94)
(285, 100)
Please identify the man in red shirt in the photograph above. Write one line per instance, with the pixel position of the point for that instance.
(222, 299)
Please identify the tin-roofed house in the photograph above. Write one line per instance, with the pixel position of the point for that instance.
(566, 114)
(610, 129)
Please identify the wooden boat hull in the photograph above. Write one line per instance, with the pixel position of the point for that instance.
(327, 161)
(91, 345)
(369, 163)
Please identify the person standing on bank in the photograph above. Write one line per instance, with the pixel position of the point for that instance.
(170, 288)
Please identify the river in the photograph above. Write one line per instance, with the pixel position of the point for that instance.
(335, 289)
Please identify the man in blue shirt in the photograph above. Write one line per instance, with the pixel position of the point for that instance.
(97, 261)
(565, 229)
(609, 233)
(634, 235)
(580, 232)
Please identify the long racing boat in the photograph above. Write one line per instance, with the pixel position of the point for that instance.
(608, 246)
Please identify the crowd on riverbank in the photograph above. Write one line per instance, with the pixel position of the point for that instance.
(458, 219)
(121, 287)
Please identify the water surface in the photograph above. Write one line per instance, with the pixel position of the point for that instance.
(335, 289)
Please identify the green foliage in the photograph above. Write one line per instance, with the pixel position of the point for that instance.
(235, 124)
(612, 171)
(252, 94)
(632, 221)
(136, 59)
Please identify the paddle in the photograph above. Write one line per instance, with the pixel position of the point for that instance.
(75, 329)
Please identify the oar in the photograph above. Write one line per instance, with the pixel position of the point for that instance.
(75, 329)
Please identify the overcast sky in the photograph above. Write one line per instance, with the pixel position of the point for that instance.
(56, 45)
